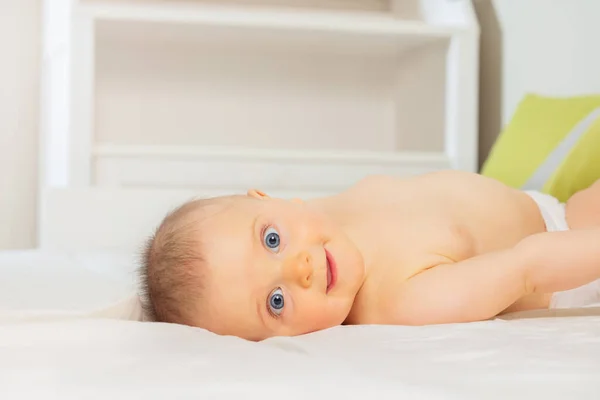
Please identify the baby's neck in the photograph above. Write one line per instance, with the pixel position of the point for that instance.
(336, 209)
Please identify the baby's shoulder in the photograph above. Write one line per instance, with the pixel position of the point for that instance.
(429, 179)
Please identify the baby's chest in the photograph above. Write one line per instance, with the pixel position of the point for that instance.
(401, 243)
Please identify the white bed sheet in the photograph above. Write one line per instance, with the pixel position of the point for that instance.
(62, 357)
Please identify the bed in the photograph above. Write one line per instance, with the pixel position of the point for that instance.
(67, 331)
(111, 165)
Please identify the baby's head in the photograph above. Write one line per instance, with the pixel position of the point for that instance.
(251, 266)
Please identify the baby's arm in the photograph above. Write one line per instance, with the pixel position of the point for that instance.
(562, 260)
(481, 287)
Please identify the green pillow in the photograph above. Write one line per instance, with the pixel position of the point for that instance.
(550, 144)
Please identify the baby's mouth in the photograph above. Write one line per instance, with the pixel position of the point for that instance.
(331, 271)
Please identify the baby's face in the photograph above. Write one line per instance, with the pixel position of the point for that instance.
(276, 268)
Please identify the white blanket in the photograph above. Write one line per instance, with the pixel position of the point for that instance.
(68, 356)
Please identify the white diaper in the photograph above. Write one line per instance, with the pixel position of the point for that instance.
(553, 212)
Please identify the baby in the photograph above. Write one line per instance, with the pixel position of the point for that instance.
(443, 247)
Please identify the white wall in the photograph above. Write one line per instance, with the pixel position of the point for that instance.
(544, 46)
(19, 88)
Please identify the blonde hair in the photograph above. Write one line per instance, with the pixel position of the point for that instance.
(172, 272)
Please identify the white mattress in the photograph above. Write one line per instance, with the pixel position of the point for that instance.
(66, 356)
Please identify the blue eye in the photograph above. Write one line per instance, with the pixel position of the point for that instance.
(276, 302)
(271, 239)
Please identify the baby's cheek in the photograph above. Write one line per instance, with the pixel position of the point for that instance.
(308, 231)
(317, 315)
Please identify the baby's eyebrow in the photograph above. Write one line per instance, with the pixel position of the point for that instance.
(254, 230)
(255, 222)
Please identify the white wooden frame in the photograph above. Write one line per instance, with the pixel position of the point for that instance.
(75, 172)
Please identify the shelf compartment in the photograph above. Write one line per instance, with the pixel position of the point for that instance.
(266, 91)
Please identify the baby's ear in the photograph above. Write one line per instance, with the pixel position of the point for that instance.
(257, 194)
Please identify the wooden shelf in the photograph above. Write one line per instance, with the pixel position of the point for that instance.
(362, 23)
(356, 31)
(143, 92)
(226, 168)
(324, 156)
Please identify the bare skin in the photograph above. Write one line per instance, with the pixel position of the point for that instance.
(439, 248)
(583, 208)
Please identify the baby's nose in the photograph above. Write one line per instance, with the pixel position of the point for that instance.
(298, 269)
